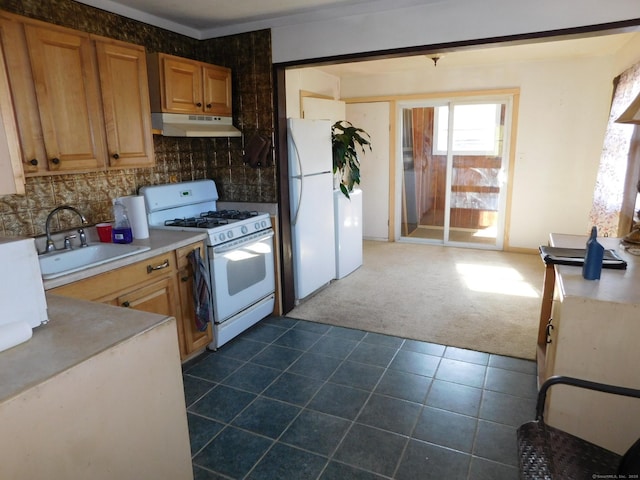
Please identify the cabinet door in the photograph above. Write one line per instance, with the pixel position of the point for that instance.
(125, 99)
(158, 297)
(34, 157)
(12, 178)
(194, 339)
(182, 85)
(68, 95)
(217, 90)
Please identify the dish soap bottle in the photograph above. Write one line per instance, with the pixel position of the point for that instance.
(593, 257)
(121, 232)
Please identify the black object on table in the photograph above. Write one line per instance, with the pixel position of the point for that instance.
(575, 256)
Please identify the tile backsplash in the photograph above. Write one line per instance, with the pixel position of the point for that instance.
(177, 159)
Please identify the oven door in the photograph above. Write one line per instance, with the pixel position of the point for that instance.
(242, 273)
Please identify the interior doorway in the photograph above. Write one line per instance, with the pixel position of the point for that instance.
(454, 162)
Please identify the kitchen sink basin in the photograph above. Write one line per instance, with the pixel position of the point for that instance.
(63, 262)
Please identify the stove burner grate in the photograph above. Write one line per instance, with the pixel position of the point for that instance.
(230, 214)
(192, 222)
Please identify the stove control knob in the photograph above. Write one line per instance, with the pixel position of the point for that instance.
(244, 229)
(230, 234)
(264, 224)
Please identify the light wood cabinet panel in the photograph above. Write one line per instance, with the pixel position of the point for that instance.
(159, 297)
(68, 97)
(217, 90)
(13, 181)
(125, 99)
(109, 285)
(194, 339)
(180, 85)
(81, 101)
(34, 156)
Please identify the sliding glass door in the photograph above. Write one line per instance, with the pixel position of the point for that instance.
(454, 169)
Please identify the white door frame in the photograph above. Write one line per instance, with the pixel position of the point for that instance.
(506, 170)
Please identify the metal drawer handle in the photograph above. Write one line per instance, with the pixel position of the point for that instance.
(158, 267)
(549, 328)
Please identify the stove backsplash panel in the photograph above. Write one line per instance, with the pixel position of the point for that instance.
(177, 159)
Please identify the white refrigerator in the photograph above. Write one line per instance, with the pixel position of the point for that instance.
(311, 199)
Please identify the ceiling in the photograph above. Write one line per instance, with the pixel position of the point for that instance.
(602, 45)
(202, 19)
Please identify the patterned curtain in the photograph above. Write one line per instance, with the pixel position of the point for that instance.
(610, 184)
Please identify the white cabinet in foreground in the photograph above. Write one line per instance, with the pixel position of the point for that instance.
(594, 336)
(348, 228)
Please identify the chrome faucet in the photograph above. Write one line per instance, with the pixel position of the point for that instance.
(50, 246)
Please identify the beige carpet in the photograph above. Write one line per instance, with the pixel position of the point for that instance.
(476, 299)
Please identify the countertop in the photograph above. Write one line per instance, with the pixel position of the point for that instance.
(160, 241)
(616, 286)
(77, 330)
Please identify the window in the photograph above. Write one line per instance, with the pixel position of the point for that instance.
(476, 129)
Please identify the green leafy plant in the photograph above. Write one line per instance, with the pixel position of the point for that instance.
(347, 141)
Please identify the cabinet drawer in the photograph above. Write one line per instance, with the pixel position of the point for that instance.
(104, 285)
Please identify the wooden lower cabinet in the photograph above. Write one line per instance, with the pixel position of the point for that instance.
(159, 297)
(162, 284)
(194, 339)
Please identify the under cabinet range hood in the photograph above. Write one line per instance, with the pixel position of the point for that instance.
(187, 125)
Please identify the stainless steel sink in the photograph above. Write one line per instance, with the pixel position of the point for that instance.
(63, 262)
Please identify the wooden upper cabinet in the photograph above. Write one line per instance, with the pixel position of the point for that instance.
(217, 90)
(81, 101)
(68, 98)
(180, 85)
(12, 180)
(25, 103)
(125, 99)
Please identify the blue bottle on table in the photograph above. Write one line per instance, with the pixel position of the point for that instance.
(594, 254)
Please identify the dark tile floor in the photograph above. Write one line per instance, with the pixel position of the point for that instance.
(292, 399)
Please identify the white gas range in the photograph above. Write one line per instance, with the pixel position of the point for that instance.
(239, 253)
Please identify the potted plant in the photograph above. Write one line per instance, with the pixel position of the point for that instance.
(346, 141)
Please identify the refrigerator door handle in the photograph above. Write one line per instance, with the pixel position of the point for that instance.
(301, 177)
(295, 216)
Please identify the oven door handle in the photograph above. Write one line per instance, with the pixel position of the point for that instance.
(242, 242)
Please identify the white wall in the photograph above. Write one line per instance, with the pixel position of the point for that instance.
(628, 55)
(564, 107)
(406, 23)
(308, 80)
(374, 118)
